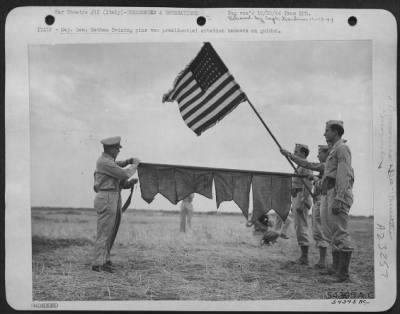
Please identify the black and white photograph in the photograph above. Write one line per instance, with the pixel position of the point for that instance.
(208, 169)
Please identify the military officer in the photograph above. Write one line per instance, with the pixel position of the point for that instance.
(110, 177)
(337, 184)
(321, 231)
(301, 203)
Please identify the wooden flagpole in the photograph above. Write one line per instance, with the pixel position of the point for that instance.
(277, 143)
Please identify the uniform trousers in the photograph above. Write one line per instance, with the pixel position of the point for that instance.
(108, 207)
(300, 217)
(317, 229)
(335, 226)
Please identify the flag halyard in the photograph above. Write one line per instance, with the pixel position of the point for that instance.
(205, 91)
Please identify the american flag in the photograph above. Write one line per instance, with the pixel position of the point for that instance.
(205, 91)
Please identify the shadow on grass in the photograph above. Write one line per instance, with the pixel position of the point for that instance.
(42, 244)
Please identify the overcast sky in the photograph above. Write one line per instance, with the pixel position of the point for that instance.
(80, 94)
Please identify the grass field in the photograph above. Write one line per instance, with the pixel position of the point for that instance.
(219, 259)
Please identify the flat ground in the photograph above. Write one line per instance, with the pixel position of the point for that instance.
(219, 259)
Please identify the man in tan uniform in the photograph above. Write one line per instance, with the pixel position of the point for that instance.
(301, 203)
(321, 232)
(186, 212)
(110, 177)
(337, 184)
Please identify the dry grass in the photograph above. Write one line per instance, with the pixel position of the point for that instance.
(218, 260)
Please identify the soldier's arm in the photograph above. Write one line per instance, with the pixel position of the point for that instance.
(344, 172)
(123, 163)
(113, 170)
(125, 184)
(315, 166)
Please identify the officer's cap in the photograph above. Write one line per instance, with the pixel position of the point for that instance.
(112, 141)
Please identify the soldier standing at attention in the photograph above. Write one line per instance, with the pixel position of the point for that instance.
(321, 233)
(337, 184)
(301, 203)
(110, 177)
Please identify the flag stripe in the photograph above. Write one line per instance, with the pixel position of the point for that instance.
(177, 83)
(188, 85)
(194, 89)
(182, 84)
(215, 107)
(182, 77)
(198, 93)
(211, 122)
(213, 100)
(207, 96)
(194, 102)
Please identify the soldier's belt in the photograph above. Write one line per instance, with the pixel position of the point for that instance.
(108, 190)
(327, 184)
(295, 191)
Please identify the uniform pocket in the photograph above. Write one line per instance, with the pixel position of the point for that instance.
(102, 202)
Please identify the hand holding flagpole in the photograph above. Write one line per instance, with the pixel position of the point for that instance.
(277, 143)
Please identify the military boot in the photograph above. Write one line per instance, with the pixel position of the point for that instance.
(344, 262)
(334, 267)
(303, 260)
(322, 258)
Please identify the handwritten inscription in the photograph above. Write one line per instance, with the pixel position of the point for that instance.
(386, 160)
(382, 250)
(349, 301)
(277, 16)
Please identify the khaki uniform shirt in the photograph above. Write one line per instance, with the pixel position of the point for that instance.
(109, 173)
(297, 183)
(338, 167)
(314, 166)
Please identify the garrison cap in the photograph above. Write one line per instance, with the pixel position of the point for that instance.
(323, 147)
(335, 122)
(302, 146)
(112, 141)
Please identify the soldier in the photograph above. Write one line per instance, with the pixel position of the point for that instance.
(301, 203)
(110, 177)
(321, 231)
(186, 212)
(337, 184)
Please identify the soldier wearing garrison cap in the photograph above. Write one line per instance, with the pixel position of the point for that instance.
(301, 203)
(337, 185)
(110, 177)
(320, 227)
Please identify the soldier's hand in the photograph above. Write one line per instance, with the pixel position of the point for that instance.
(286, 153)
(337, 207)
(133, 181)
(131, 170)
(134, 161)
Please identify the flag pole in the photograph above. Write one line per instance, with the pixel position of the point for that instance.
(277, 143)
